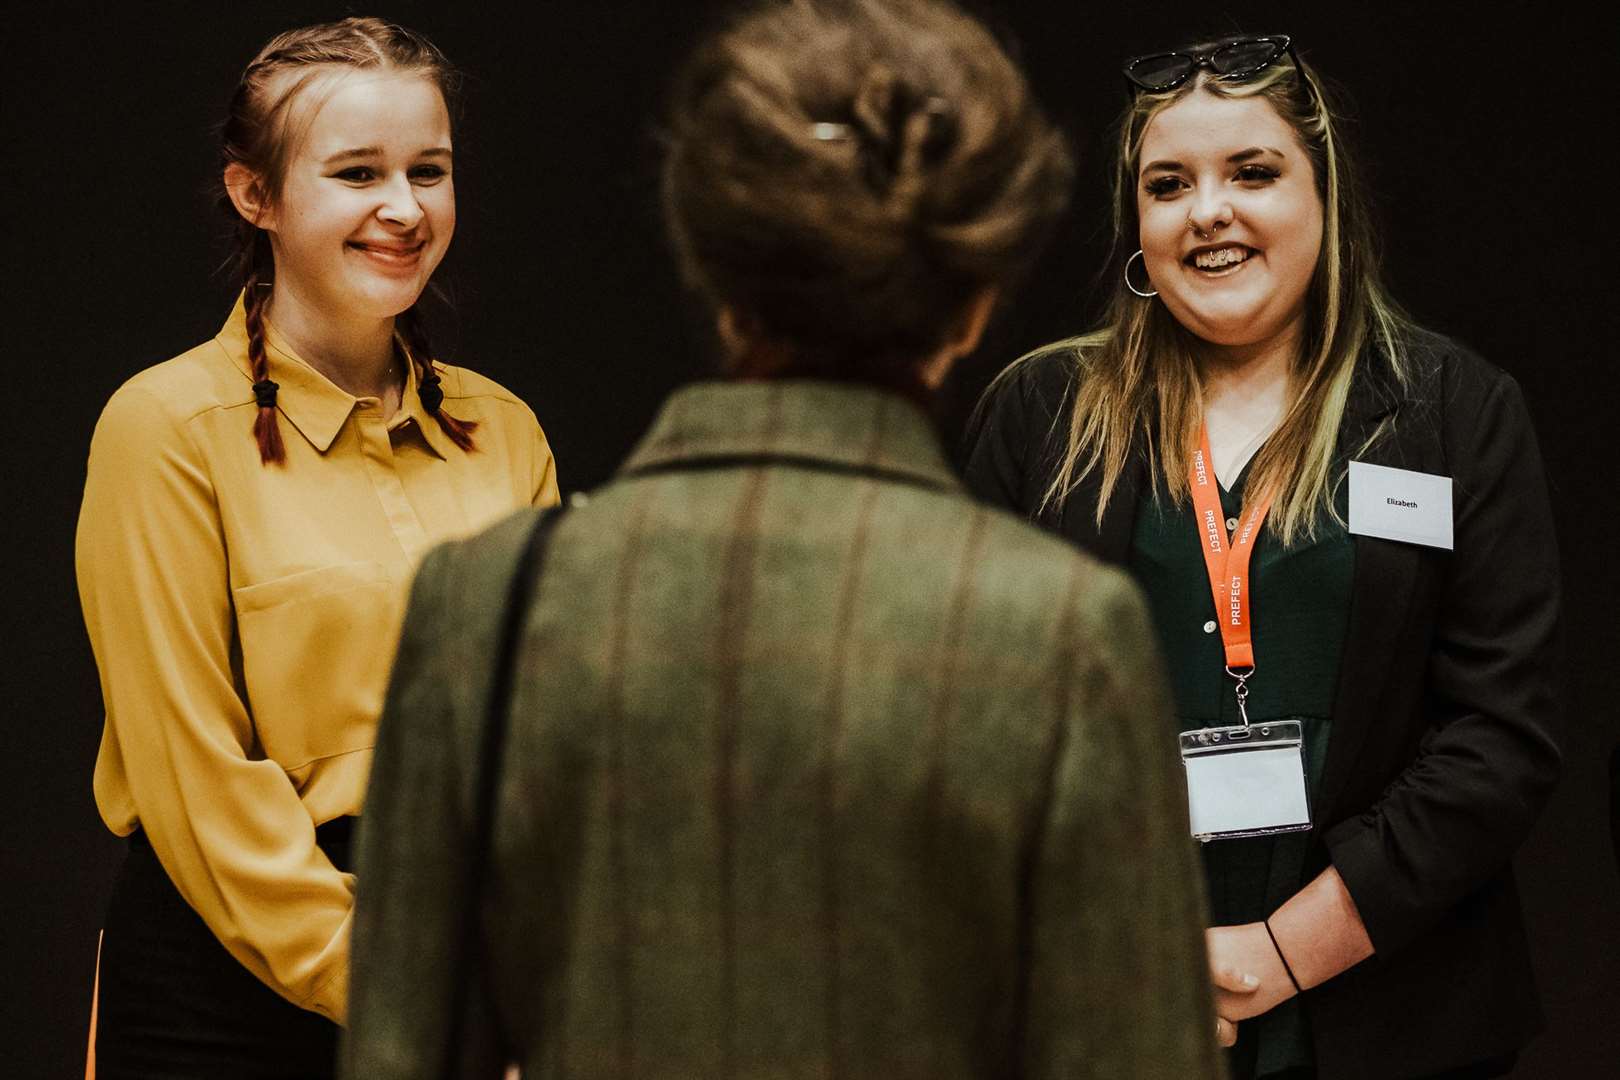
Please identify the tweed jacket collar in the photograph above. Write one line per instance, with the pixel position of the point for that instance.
(835, 426)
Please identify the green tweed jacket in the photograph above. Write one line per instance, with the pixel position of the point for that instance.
(815, 768)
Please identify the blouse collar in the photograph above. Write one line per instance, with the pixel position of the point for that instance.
(311, 402)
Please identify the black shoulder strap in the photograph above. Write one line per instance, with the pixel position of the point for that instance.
(492, 745)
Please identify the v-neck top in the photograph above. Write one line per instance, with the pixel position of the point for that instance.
(1301, 606)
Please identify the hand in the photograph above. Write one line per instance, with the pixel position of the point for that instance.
(1238, 954)
(1233, 982)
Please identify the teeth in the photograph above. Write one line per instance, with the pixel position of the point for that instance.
(1226, 256)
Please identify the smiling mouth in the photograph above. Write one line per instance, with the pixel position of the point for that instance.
(1216, 260)
(395, 253)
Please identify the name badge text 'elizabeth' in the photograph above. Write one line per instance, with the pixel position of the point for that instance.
(1399, 504)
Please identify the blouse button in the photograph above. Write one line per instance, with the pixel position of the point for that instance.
(1231, 524)
(1209, 627)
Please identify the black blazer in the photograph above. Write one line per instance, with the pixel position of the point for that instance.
(1444, 743)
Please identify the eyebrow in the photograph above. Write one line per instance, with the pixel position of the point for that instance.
(1235, 159)
(374, 151)
(1253, 152)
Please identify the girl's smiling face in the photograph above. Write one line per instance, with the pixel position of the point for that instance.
(367, 206)
(1230, 219)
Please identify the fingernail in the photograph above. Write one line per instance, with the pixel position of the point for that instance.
(1250, 981)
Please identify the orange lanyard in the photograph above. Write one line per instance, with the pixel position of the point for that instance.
(1226, 558)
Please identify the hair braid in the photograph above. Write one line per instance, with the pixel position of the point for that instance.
(266, 429)
(409, 325)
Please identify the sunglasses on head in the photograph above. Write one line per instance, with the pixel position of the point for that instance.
(1234, 58)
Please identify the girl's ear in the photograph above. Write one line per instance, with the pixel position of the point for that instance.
(247, 195)
(737, 331)
(970, 322)
(966, 330)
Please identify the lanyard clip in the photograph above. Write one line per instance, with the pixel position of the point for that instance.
(1242, 691)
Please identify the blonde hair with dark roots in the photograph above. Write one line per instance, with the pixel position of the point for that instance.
(848, 175)
(1137, 377)
(258, 135)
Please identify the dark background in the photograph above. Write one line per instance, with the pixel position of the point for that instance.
(1488, 158)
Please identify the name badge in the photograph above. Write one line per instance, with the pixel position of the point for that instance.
(1246, 781)
(1399, 504)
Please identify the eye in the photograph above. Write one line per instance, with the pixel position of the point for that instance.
(1257, 174)
(428, 174)
(356, 174)
(1161, 187)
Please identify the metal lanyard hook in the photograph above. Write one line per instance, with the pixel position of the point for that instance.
(1242, 691)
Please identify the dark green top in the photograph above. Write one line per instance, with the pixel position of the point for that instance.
(1301, 604)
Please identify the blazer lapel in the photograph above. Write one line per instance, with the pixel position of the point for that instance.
(1386, 573)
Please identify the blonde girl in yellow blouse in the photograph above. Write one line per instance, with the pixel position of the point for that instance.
(253, 513)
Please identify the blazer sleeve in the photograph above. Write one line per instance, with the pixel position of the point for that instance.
(1118, 982)
(543, 485)
(410, 852)
(1490, 756)
(1009, 432)
(413, 847)
(226, 824)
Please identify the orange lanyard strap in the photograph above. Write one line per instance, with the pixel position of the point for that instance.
(1226, 558)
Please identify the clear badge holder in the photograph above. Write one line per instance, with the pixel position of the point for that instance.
(1246, 780)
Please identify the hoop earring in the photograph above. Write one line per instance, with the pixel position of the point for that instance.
(1133, 288)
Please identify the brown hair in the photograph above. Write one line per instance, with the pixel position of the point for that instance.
(257, 135)
(1138, 383)
(847, 175)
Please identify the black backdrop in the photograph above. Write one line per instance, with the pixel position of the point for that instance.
(1481, 122)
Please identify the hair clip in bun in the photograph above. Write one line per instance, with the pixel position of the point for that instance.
(831, 132)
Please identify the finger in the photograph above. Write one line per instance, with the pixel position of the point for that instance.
(1225, 1032)
(1235, 1007)
(1234, 981)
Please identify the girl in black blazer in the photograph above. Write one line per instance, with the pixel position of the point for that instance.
(1250, 339)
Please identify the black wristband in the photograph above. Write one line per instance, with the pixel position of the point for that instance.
(1267, 924)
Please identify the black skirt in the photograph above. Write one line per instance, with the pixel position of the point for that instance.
(174, 1003)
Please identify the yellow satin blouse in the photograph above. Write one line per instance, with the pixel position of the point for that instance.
(244, 618)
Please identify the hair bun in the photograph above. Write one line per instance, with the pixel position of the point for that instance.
(901, 133)
(850, 175)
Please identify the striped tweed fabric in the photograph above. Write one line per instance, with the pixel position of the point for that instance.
(815, 768)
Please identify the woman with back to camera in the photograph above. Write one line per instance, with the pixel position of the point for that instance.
(1262, 438)
(812, 765)
(253, 511)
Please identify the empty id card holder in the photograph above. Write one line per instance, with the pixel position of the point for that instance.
(1246, 781)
